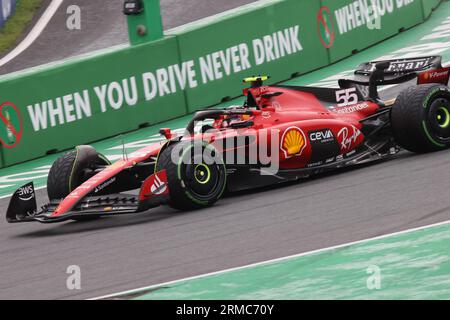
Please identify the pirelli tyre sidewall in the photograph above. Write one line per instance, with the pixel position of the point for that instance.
(196, 174)
(66, 172)
(420, 118)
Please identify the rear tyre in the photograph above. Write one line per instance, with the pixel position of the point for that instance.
(420, 118)
(66, 173)
(197, 178)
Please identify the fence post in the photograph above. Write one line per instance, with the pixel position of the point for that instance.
(144, 20)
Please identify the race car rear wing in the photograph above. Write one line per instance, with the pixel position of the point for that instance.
(401, 67)
(388, 72)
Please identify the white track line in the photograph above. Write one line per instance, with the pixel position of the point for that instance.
(271, 261)
(10, 195)
(34, 33)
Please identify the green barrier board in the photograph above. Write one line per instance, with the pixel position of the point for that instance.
(429, 6)
(195, 66)
(276, 37)
(355, 25)
(91, 98)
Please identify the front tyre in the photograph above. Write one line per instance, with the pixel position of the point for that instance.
(420, 118)
(66, 172)
(196, 174)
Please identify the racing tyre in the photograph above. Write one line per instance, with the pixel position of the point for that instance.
(420, 118)
(196, 178)
(66, 172)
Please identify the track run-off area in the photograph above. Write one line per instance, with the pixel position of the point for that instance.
(121, 253)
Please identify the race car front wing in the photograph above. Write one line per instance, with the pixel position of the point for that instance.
(23, 205)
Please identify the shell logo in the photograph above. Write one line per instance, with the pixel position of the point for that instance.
(293, 142)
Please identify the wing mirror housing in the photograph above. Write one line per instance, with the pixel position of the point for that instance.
(167, 133)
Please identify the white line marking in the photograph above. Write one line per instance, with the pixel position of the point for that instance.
(272, 260)
(34, 33)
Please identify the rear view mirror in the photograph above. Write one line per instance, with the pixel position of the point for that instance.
(166, 132)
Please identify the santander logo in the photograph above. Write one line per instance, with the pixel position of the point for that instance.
(158, 187)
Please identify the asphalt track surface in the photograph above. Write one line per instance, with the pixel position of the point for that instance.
(126, 252)
(103, 25)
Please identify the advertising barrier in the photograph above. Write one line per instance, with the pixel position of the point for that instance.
(272, 37)
(356, 25)
(429, 6)
(88, 99)
(81, 100)
(6, 9)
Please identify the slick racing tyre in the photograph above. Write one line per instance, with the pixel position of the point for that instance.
(420, 118)
(66, 172)
(196, 174)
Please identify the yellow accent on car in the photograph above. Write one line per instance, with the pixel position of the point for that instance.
(254, 79)
(293, 142)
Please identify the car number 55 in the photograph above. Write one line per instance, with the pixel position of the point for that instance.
(346, 97)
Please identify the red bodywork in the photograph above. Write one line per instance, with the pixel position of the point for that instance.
(314, 129)
(291, 111)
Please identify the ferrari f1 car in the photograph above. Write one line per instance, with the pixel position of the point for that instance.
(315, 129)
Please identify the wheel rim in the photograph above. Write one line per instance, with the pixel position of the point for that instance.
(203, 177)
(439, 119)
(443, 117)
(202, 173)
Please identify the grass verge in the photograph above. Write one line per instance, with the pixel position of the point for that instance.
(17, 23)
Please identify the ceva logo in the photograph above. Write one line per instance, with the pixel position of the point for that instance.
(325, 27)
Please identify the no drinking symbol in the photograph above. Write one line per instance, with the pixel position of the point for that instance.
(11, 125)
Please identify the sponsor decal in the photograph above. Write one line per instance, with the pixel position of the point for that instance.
(330, 160)
(26, 193)
(322, 136)
(346, 97)
(293, 142)
(403, 65)
(350, 109)
(323, 144)
(325, 27)
(315, 164)
(11, 125)
(158, 187)
(348, 137)
(410, 65)
(104, 184)
(435, 76)
(266, 115)
(155, 185)
(108, 209)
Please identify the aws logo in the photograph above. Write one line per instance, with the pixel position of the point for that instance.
(26, 193)
(293, 142)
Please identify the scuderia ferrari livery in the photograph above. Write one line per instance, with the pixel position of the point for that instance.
(281, 133)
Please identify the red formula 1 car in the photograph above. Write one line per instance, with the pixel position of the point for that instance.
(281, 133)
